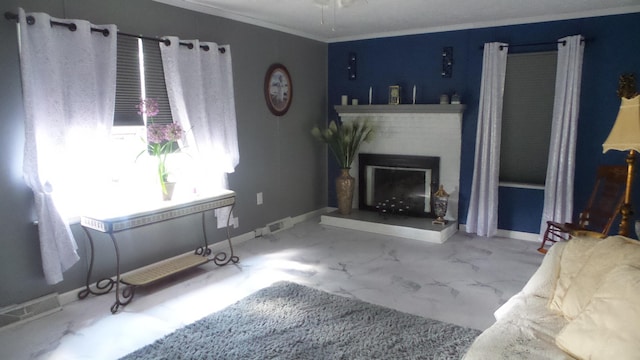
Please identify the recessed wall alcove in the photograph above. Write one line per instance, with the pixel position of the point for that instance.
(413, 130)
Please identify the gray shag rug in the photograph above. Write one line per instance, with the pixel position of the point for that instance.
(291, 321)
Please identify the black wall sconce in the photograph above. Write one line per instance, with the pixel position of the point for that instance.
(352, 66)
(447, 61)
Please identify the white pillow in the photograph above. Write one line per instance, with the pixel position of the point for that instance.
(609, 327)
(543, 282)
(575, 254)
(605, 256)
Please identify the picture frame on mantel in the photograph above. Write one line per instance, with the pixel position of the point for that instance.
(278, 89)
(394, 95)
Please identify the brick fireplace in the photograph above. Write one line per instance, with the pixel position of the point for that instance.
(410, 131)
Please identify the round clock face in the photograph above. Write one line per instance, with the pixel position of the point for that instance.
(278, 89)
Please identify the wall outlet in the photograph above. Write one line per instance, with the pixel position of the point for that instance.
(259, 198)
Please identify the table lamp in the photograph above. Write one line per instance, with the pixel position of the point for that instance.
(625, 136)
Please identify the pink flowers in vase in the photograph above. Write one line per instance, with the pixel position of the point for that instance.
(162, 139)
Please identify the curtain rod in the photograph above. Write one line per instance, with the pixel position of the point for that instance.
(563, 42)
(72, 27)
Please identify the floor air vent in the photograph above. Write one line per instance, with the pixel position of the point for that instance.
(279, 225)
(274, 227)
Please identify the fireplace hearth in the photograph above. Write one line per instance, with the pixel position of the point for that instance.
(409, 227)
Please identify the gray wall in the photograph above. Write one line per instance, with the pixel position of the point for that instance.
(277, 154)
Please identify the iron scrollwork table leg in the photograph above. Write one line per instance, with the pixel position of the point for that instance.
(221, 258)
(105, 285)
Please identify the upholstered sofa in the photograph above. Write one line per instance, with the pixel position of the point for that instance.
(583, 302)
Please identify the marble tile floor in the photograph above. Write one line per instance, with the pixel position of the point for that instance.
(461, 281)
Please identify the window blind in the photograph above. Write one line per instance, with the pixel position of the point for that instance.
(526, 117)
(156, 88)
(127, 83)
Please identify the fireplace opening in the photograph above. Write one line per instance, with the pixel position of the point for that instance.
(398, 184)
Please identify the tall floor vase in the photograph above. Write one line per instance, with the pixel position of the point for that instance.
(345, 183)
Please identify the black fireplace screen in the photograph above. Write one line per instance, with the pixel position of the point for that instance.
(401, 184)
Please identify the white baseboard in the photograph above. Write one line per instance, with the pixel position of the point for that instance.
(511, 234)
(312, 214)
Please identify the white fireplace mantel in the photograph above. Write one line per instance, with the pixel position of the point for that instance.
(401, 109)
(423, 130)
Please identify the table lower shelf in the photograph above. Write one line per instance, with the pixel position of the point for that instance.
(155, 272)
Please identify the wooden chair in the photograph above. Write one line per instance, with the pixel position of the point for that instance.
(602, 208)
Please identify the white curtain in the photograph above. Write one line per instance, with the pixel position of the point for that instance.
(200, 89)
(482, 217)
(68, 80)
(558, 189)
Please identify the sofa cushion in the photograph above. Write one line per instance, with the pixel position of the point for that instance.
(609, 326)
(543, 282)
(574, 255)
(604, 257)
(525, 327)
(526, 331)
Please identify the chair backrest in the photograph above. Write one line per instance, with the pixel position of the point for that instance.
(606, 199)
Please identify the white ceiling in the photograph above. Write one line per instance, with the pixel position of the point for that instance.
(342, 20)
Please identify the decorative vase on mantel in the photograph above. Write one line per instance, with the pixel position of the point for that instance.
(345, 184)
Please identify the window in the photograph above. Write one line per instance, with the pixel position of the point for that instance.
(526, 117)
(139, 75)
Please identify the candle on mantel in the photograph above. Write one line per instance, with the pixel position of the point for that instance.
(370, 91)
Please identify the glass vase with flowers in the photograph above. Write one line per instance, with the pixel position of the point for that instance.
(162, 140)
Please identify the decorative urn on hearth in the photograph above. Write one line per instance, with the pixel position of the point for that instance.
(440, 202)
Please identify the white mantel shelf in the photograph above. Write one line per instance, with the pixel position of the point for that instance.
(401, 109)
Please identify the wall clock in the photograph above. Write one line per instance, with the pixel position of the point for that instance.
(278, 89)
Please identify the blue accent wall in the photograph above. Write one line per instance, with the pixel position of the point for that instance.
(519, 209)
(613, 48)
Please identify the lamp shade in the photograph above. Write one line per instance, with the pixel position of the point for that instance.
(625, 134)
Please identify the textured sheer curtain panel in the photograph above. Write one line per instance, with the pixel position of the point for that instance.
(482, 217)
(200, 88)
(558, 190)
(68, 80)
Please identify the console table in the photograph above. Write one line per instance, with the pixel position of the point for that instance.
(115, 221)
